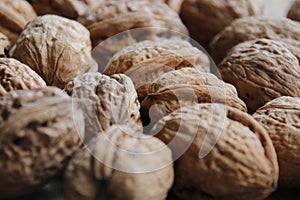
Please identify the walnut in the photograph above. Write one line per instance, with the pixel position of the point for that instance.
(14, 15)
(251, 28)
(15, 75)
(38, 135)
(123, 164)
(106, 101)
(58, 49)
(294, 11)
(145, 61)
(261, 70)
(66, 8)
(206, 18)
(184, 87)
(281, 118)
(227, 154)
(4, 45)
(174, 4)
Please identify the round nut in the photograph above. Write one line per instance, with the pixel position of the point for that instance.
(36, 148)
(58, 49)
(251, 28)
(15, 75)
(145, 61)
(206, 18)
(230, 155)
(106, 101)
(124, 164)
(280, 117)
(4, 45)
(185, 87)
(14, 15)
(261, 70)
(294, 12)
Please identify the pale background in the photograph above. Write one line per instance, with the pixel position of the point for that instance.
(277, 8)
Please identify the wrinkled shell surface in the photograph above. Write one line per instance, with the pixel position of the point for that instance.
(185, 87)
(58, 49)
(146, 61)
(294, 12)
(206, 18)
(261, 70)
(251, 28)
(174, 4)
(15, 75)
(281, 119)
(124, 165)
(37, 147)
(14, 15)
(229, 152)
(106, 101)
(4, 45)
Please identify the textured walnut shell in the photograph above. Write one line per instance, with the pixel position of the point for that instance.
(261, 70)
(281, 118)
(58, 49)
(38, 135)
(174, 4)
(229, 155)
(205, 18)
(4, 45)
(185, 87)
(251, 28)
(294, 11)
(14, 15)
(145, 61)
(66, 8)
(122, 166)
(15, 75)
(106, 101)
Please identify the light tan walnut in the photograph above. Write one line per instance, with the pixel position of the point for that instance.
(4, 45)
(281, 118)
(226, 153)
(251, 28)
(15, 75)
(58, 49)
(122, 164)
(40, 131)
(261, 70)
(14, 15)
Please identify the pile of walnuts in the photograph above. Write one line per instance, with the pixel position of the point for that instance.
(114, 100)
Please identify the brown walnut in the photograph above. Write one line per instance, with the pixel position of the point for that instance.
(294, 11)
(4, 45)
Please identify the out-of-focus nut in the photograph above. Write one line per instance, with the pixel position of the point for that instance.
(294, 12)
(226, 153)
(261, 70)
(58, 49)
(40, 130)
(15, 75)
(281, 119)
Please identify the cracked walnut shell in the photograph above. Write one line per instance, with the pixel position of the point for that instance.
(261, 70)
(226, 153)
(58, 49)
(40, 130)
(122, 164)
(15, 75)
(281, 118)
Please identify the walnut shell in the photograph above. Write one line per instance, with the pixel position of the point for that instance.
(122, 165)
(294, 11)
(145, 61)
(251, 28)
(229, 155)
(37, 147)
(261, 70)
(106, 101)
(206, 18)
(14, 15)
(281, 118)
(15, 75)
(174, 4)
(185, 87)
(66, 8)
(58, 49)
(4, 45)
